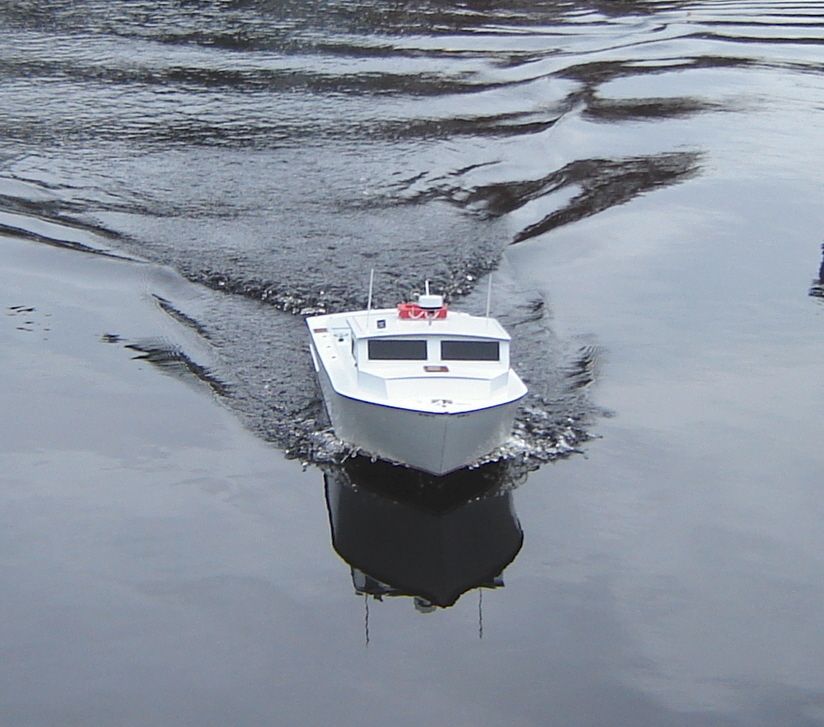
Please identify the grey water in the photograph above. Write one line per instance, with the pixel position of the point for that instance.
(644, 182)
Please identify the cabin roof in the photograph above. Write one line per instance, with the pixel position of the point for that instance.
(456, 324)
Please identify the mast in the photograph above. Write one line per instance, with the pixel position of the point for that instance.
(488, 299)
(369, 299)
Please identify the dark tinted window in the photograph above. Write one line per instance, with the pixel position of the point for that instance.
(396, 350)
(470, 351)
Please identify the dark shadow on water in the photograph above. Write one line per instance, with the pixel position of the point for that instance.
(404, 533)
(603, 184)
(596, 185)
(171, 359)
(646, 109)
(817, 287)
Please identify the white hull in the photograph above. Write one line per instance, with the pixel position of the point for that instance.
(437, 443)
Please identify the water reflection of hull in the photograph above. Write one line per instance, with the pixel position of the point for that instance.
(817, 288)
(417, 542)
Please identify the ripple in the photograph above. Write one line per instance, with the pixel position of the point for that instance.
(274, 153)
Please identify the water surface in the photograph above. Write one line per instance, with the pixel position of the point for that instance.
(644, 179)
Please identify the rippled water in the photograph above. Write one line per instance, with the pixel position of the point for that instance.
(645, 179)
(277, 152)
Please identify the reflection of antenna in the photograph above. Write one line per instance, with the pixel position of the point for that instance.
(369, 299)
(366, 621)
(480, 613)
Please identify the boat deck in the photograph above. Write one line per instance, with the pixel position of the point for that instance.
(428, 385)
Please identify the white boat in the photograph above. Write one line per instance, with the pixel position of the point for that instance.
(418, 385)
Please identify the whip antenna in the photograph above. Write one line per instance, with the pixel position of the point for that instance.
(369, 299)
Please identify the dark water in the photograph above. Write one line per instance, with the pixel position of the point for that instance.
(645, 179)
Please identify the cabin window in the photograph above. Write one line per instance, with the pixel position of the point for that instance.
(470, 351)
(396, 350)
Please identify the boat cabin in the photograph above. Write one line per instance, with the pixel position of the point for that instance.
(382, 339)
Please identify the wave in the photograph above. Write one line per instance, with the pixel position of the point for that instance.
(273, 153)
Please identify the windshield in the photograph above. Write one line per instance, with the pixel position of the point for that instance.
(397, 350)
(470, 351)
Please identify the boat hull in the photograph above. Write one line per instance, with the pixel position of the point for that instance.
(437, 443)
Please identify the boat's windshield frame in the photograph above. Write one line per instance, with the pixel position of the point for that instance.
(397, 349)
(433, 350)
(470, 349)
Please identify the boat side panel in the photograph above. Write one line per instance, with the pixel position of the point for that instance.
(472, 435)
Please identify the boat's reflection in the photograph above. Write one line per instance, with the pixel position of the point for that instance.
(817, 288)
(405, 533)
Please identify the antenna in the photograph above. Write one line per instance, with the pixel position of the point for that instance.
(369, 300)
(489, 296)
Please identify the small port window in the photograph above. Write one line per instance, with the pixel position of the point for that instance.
(396, 350)
(470, 351)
